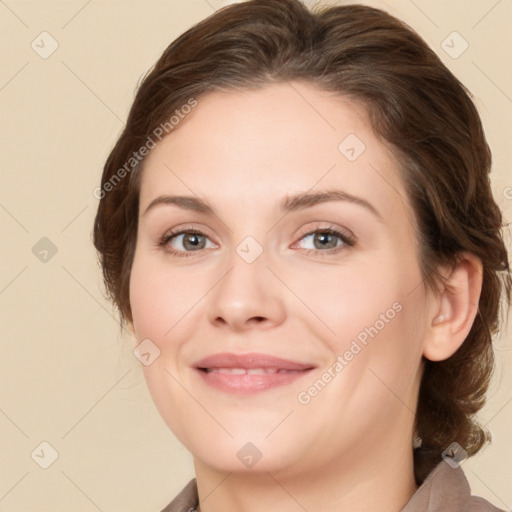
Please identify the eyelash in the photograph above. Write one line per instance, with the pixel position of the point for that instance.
(348, 240)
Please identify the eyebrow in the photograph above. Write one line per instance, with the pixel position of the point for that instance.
(288, 204)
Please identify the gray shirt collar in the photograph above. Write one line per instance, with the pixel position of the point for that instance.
(445, 489)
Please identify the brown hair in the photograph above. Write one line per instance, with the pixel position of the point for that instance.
(415, 104)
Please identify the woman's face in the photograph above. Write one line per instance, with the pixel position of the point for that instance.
(333, 287)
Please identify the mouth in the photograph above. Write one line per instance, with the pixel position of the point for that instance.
(249, 373)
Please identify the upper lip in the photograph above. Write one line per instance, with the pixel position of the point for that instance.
(253, 360)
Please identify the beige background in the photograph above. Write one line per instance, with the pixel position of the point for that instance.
(67, 375)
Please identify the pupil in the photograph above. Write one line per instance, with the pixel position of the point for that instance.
(189, 240)
(325, 237)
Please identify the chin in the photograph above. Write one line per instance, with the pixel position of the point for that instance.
(243, 455)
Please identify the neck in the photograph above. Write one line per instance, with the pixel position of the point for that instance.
(383, 481)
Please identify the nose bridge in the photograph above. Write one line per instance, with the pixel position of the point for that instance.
(246, 291)
(247, 271)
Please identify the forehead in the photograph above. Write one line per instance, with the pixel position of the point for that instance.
(255, 146)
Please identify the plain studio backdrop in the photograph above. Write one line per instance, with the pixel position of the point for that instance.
(78, 429)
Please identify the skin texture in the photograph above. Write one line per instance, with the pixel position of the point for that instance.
(350, 446)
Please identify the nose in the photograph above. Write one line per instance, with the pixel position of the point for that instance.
(248, 296)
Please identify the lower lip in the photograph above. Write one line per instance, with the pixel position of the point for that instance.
(247, 383)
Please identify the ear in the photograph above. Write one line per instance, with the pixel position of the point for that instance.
(454, 309)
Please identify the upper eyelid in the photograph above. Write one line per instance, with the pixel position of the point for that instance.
(341, 230)
(191, 229)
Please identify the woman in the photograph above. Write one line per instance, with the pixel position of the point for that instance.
(298, 226)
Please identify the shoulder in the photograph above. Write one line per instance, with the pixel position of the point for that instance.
(446, 489)
(186, 501)
(478, 504)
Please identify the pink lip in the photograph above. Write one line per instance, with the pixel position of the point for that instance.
(284, 372)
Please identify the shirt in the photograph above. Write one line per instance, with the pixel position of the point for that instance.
(445, 489)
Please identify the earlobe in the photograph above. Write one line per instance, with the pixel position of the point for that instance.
(455, 310)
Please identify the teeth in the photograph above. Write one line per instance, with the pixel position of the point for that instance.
(233, 371)
(249, 371)
(261, 371)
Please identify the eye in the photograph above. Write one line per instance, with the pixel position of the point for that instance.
(184, 242)
(327, 240)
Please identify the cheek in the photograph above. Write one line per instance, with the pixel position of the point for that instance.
(376, 314)
(378, 355)
(351, 299)
(159, 298)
